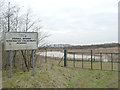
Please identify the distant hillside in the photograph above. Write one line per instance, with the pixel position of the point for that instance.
(67, 46)
(95, 46)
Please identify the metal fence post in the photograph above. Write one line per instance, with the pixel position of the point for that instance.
(101, 60)
(74, 59)
(111, 62)
(11, 64)
(82, 60)
(65, 57)
(94, 57)
(91, 60)
(33, 61)
(46, 55)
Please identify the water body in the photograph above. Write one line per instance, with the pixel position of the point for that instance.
(61, 54)
(58, 54)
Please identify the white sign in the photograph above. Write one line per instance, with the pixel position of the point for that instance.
(21, 40)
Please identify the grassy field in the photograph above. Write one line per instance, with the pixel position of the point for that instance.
(95, 65)
(52, 75)
(102, 50)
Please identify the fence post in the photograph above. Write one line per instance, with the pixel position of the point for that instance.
(101, 60)
(11, 64)
(46, 55)
(74, 59)
(65, 57)
(94, 57)
(33, 61)
(111, 62)
(91, 60)
(82, 60)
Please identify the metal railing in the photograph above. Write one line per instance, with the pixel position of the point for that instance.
(98, 61)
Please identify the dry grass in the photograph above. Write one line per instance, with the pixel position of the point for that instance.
(106, 50)
(50, 75)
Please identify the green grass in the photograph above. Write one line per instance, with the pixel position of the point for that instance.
(95, 65)
(50, 75)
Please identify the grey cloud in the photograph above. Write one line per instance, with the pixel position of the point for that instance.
(80, 27)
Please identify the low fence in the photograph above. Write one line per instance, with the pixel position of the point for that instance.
(85, 60)
(92, 60)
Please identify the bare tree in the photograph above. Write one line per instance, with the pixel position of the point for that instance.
(32, 25)
(14, 21)
(1, 6)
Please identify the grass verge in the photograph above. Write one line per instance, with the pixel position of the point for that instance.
(50, 75)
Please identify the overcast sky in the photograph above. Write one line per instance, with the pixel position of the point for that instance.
(77, 22)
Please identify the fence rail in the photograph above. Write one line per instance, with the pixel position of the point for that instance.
(97, 61)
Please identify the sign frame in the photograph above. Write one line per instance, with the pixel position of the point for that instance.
(20, 49)
(20, 33)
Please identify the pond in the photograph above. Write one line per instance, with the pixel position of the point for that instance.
(59, 54)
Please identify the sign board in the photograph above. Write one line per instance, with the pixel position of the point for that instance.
(21, 40)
